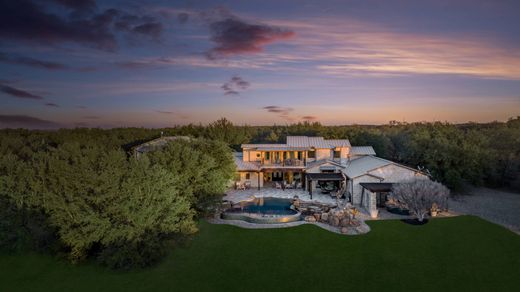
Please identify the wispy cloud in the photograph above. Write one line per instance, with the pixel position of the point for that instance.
(352, 47)
(235, 85)
(24, 121)
(233, 36)
(18, 93)
(51, 104)
(31, 62)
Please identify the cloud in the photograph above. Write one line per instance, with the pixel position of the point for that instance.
(164, 112)
(81, 107)
(183, 17)
(23, 20)
(278, 109)
(309, 118)
(91, 117)
(51, 104)
(18, 93)
(153, 29)
(80, 5)
(234, 36)
(23, 121)
(235, 85)
(31, 62)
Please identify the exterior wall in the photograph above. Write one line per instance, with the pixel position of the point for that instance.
(323, 154)
(344, 154)
(253, 178)
(370, 203)
(395, 173)
(250, 155)
(357, 189)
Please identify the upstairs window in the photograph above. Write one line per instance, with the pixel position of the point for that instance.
(337, 154)
(311, 154)
(248, 175)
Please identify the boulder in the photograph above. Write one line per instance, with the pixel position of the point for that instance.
(325, 217)
(335, 221)
(310, 219)
(344, 230)
(344, 222)
(317, 216)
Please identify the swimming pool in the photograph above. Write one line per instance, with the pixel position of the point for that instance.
(263, 211)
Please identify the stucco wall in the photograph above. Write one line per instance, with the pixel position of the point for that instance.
(395, 173)
(357, 188)
(391, 173)
(253, 178)
(323, 154)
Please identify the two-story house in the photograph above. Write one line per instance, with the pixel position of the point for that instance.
(317, 164)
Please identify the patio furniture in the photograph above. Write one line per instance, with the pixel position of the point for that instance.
(299, 185)
(247, 185)
(289, 186)
(240, 186)
(277, 185)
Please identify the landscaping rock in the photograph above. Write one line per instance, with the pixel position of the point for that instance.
(344, 222)
(344, 230)
(325, 217)
(310, 219)
(335, 221)
(317, 216)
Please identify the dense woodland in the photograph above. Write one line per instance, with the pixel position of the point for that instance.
(81, 194)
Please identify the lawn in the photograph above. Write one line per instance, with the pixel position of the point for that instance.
(444, 255)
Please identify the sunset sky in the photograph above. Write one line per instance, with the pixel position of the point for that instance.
(87, 63)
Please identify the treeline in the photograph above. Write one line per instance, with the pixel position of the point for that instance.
(80, 192)
(77, 193)
(480, 154)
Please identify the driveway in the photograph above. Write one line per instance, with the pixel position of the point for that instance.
(499, 207)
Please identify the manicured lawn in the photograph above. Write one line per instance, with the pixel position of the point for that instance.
(444, 255)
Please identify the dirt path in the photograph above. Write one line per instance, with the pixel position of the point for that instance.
(496, 206)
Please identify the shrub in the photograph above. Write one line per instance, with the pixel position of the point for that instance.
(419, 196)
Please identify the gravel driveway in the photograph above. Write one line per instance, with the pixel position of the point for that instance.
(496, 206)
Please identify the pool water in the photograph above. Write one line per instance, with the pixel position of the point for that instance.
(268, 206)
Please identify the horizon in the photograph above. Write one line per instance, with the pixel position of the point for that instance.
(114, 64)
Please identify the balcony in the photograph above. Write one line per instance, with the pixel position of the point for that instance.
(283, 163)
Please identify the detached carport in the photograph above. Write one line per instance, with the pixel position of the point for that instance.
(373, 196)
(313, 178)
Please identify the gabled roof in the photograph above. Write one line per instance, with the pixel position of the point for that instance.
(316, 142)
(244, 165)
(362, 150)
(363, 165)
(321, 162)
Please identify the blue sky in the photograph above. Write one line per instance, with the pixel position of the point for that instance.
(67, 63)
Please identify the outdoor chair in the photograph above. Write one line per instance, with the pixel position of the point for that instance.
(247, 185)
(277, 185)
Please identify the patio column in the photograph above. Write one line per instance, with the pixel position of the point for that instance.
(258, 175)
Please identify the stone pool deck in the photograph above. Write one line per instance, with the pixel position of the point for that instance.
(236, 196)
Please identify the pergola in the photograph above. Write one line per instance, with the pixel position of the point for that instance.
(312, 178)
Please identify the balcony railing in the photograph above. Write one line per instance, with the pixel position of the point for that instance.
(284, 162)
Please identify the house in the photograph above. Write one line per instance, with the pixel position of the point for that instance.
(317, 164)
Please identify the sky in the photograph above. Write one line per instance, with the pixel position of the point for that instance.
(93, 63)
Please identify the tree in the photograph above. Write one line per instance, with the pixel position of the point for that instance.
(419, 195)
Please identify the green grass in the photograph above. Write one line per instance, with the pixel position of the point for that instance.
(446, 254)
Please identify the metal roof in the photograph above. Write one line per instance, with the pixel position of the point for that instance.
(300, 143)
(361, 166)
(362, 150)
(244, 165)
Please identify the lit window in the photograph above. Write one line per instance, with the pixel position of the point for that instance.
(248, 175)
